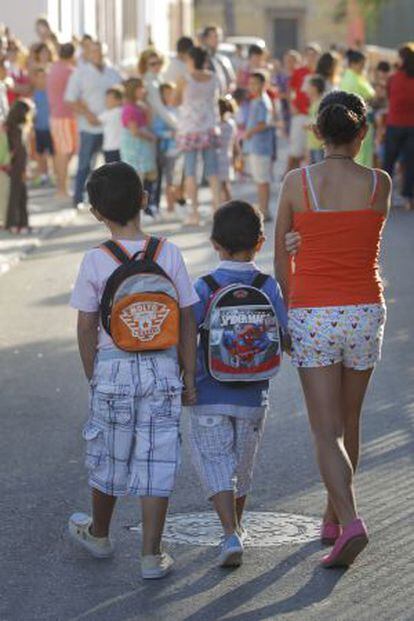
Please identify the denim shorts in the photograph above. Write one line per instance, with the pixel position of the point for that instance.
(210, 161)
(132, 434)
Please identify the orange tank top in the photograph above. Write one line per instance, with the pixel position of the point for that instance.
(338, 260)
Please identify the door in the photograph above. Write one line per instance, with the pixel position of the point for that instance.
(285, 35)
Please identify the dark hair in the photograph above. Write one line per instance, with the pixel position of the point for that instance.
(208, 29)
(237, 226)
(226, 104)
(86, 37)
(384, 66)
(327, 65)
(66, 51)
(318, 82)
(406, 53)
(115, 91)
(116, 192)
(199, 56)
(17, 114)
(130, 87)
(354, 57)
(184, 45)
(255, 50)
(259, 75)
(341, 116)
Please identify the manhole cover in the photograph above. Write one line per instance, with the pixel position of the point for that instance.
(264, 528)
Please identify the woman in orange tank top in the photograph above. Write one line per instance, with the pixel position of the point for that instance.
(336, 304)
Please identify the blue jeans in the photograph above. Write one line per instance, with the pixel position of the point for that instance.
(399, 142)
(210, 160)
(89, 147)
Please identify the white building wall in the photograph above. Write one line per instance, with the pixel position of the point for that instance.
(20, 16)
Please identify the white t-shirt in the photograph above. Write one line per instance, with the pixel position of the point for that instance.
(112, 125)
(97, 266)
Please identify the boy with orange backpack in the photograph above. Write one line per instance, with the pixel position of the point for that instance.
(134, 297)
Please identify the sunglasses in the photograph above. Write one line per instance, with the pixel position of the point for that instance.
(154, 63)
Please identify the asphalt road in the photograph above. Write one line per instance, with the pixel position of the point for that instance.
(43, 406)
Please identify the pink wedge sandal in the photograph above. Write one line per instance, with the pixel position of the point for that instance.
(349, 544)
(330, 531)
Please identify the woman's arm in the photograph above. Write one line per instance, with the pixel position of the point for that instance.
(179, 93)
(141, 132)
(283, 226)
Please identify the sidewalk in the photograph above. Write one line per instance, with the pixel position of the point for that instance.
(45, 215)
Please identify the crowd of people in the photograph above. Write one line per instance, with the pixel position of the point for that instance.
(198, 117)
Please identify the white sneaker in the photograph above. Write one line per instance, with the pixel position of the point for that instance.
(79, 525)
(231, 553)
(155, 566)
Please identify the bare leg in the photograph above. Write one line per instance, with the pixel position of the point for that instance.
(154, 512)
(170, 195)
(42, 167)
(322, 388)
(192, 193)
(353, 390)
(215, 190)
(102, 509)
(240, 502)
(225, 505)
(263, 192)
(225, 191)
(61, 169)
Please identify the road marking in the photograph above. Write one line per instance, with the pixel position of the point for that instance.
(264, 528)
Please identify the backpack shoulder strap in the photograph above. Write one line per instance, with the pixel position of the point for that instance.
(211, 283)
(259, 280)
(153, 248)
(115, 251)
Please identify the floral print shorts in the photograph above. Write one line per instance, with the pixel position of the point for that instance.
(326, 335)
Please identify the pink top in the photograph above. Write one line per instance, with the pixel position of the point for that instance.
(57, 80)
(137, 114)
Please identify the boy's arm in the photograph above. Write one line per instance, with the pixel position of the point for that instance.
(187, 352)
(87, 340)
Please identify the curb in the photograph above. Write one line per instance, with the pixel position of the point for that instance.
(10, 260)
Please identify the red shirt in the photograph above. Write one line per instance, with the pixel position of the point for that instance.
(300, 100)
(57, 80)
(401, 100)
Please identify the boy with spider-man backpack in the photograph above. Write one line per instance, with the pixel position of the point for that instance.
(242, 324)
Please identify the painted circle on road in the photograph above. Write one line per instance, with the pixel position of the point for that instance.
(264, 528)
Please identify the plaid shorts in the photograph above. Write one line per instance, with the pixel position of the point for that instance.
(223, 450)
(132, 434)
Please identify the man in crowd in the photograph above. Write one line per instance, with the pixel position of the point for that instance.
(218, 63)
(62, 119)
(85, 92)
(177, 67)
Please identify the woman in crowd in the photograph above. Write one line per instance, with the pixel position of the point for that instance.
(19, 83)
(399, 140)
(336, 303)
(198, 127)
(329, 67)
(355, 81)
(150, 66)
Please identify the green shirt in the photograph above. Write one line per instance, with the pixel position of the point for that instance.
(312, 141)
(4, 149)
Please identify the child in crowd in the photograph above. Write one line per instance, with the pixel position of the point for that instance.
(229, 148)
(227, 423)
(167, 147)
(132, 434)
(18, 126)
(43, 137)
(112, 125)
(315, 89)
(138, 142)
(259, 137)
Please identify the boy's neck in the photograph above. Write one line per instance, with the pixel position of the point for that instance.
(237, 257)
(131, 231)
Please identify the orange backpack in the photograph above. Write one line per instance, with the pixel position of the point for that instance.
(139, 306)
